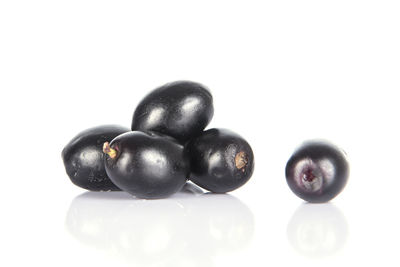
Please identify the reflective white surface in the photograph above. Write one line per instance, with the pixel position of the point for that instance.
(189, 229)
(317, 230)
(281, 72)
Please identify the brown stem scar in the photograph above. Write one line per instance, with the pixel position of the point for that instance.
(109, 151)
(241, 160)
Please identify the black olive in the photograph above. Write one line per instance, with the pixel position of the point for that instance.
(146, 164)
(221, 160)
(84, 160)
(180, 109)
(317, 171)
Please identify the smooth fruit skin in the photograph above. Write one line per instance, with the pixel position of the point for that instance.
(317, 171)
(147, 165)
(84, 159)
(179, 109)
(221, 160)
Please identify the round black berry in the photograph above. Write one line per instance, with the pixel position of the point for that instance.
(317, 171)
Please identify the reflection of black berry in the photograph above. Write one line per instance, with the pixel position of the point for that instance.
(221, 160)
(317, 171)
(146, 164)
(83, 157)
(180, 109)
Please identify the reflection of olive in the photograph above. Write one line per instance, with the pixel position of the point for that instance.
(317, 230)
(188, 229)
(148, 231)
(87, 218)
(139, 231)
(228, 222)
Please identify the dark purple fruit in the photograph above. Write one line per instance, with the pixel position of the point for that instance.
(180, 109)
(317, 171)
(146, 164)
(84, 159)
(221, 160)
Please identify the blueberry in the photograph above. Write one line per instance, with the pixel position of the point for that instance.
(180, 109)
(146, 164)
(317, 171)
(221, 160)
(84, 160)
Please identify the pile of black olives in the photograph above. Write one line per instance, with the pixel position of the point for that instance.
(166, 146)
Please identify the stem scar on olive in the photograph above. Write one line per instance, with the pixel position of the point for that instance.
(241, 160)
(112, 153)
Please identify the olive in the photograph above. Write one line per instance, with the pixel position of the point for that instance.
(180, 109)
(317, 171)
(221, 160)
(146, 164)
(84, 160)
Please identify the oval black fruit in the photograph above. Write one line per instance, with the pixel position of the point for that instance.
(317, 171)
(84, 159)
(221, 160)
(146, 164)
(180, 109)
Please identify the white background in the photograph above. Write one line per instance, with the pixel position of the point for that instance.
(281, 72)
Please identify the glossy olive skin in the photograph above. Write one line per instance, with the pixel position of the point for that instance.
(147, 165)
(179, 109)
(221, 160)
(84, 158)
(317, 171)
